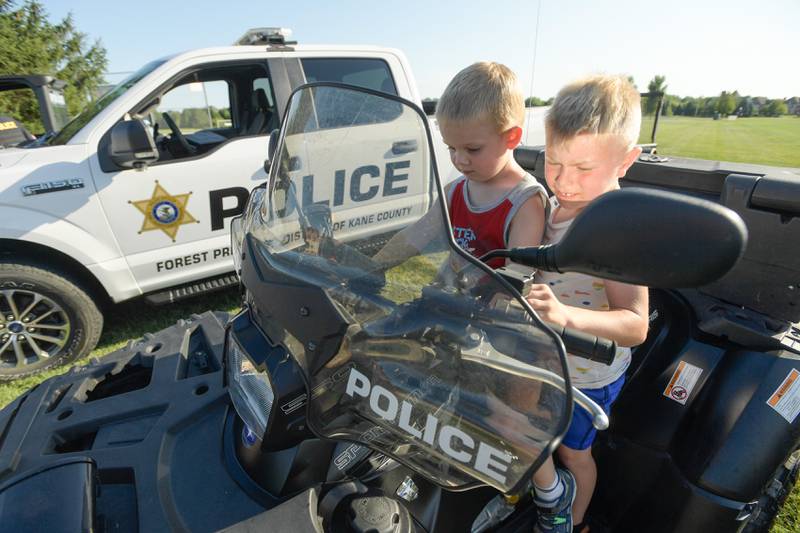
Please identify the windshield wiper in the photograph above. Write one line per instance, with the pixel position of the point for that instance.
(41, 140)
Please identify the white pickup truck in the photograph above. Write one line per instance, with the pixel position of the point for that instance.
(135, 195)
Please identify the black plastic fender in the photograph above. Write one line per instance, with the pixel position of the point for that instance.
(694, 461)
(146, 421)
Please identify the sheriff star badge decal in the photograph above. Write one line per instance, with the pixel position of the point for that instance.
(164, 211)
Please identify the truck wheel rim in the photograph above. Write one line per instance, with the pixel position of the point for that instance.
(33, 328)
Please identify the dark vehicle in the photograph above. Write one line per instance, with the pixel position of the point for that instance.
(348, 396)
(49, 94)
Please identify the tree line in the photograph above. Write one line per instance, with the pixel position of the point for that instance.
(726, 103)
(198, 117)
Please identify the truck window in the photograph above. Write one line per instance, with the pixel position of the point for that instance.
(266, 86)
(197, 106)
(368, 73)
(209, 106)
(347, 111)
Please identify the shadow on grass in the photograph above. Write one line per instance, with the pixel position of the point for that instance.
(129, 321)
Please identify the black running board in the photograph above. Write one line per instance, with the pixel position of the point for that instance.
(190, 290)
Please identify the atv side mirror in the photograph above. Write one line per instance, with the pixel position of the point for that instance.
(646, 237)
(131, 145)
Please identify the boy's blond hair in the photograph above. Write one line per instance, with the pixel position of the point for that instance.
(600, 105)
(483, 91)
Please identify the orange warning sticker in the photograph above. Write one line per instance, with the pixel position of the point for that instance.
(786, 398)
(682, 383)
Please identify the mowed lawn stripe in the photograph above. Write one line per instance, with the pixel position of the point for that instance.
(756, 140)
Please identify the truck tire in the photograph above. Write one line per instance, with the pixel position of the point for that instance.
(774, 495)
(46, 320)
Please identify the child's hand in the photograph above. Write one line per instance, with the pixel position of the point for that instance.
(545, 303)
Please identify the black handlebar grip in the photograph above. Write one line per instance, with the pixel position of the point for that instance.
(588, 346)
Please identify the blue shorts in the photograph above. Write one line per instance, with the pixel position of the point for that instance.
(581, 432)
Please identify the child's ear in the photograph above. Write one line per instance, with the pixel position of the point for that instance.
(513, 136)
(629, 160)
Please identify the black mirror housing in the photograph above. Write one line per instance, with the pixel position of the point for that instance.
(271, 147)
(131, 145)
(646, 237)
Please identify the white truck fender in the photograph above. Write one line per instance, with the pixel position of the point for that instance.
(101, 259)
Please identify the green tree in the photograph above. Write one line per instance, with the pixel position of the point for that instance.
(726, 103)
(737, 99)
(176, 118)
(672, 105)
(746, 105)
(689, 106)
(194, 118)
(31, 44)
(656, 85)
(776, 108)
(535, 101)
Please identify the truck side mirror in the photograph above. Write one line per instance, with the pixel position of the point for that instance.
(271, 147)
(131, 145)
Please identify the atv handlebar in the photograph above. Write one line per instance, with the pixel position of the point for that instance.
(586, 345)
(576, 342)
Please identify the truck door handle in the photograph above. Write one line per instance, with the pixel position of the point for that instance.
(404, 147)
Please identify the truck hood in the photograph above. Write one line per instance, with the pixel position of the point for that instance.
(11, 156)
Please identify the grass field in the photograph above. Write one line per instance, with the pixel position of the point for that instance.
(760, 140)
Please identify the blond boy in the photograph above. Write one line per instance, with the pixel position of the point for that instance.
(495, 203)
(591, 133)
(480, 115)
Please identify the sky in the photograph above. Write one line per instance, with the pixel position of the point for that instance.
(703, 47)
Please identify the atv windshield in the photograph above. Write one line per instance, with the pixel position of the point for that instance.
(436, 362)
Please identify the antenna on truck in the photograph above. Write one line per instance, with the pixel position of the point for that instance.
(256, 36)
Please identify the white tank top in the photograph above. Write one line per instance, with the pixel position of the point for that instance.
(580, 290)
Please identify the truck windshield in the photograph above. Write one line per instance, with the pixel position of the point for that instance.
(94, 108)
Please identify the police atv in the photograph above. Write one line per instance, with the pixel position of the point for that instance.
(348, 396)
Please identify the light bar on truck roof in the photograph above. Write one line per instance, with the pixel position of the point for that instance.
(255, 36)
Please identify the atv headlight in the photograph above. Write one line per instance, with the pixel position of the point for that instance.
(250, 388)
